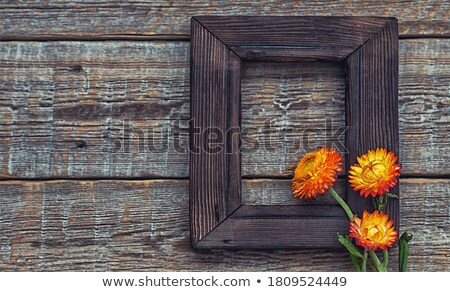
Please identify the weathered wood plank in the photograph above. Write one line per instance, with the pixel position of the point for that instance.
(58, 100)
(144, 226)
(159, 18)
(288, 110)
(266, 191)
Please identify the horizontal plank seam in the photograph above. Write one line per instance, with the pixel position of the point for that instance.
(155, 38)
(124, 37)
(181, 178)
(137, 178)
(88, 181)
(424, 36)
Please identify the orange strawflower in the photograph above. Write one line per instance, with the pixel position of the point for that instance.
(316, 173)
(373, 231)
(375, 173)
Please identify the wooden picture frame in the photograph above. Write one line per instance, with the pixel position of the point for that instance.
(367, 46)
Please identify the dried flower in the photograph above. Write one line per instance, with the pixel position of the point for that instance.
(316, 173)
(373, 231)
(375, 173)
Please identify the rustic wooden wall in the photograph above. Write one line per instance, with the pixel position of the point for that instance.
(71, 72)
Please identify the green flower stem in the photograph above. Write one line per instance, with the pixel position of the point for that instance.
(374, 269)
(403, 251)
(343, 204)
(355, 262)
(377, 262)
(364, 263)
(385, 259)
(381, 203)
(375, 204)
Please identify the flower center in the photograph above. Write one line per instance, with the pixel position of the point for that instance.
(308, 164)
(373, 233)
(373, 171)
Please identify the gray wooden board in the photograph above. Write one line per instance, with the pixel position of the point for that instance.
(170, 19)
(111, 225)
(59, 99)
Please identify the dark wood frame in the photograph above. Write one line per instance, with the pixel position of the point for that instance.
(368, 48)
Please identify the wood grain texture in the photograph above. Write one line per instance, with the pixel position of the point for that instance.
(215, 170)
(258, 230)
(54, 113)
(369, 47)
(255, 38)
(162, 19)
(143, 226)
(372, 106)
(94, 109)
(266, 191)
(57, 99)
(289, 109)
